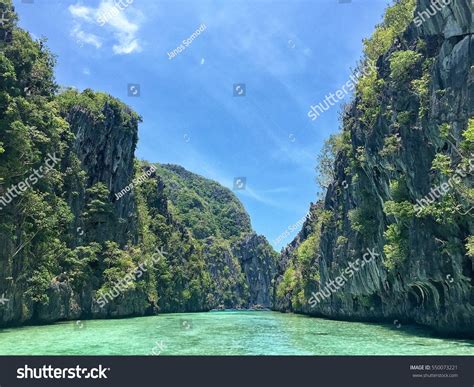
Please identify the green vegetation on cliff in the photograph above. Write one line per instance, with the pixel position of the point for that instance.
(400, 183)
(73, 243)
(204, 206)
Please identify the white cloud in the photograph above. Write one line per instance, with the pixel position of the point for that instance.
(80, 11)
(126, 46)
(107, 16)
(85, 37)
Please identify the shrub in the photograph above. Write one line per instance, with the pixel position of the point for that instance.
(98, 211)
(444, 210)
(468, 134)
(96, 103)
(402, 64)
(470, 246)
(396, 246)
(402, 210)
(38, 284)
(396, 20)
(288, 283)
(325, 162)
(118, 263)
(399, 15)
(307, 250)
(326, 217)
(360, 154)
(341, 240)
(379, 42)
(300, 299)
(399, 190)
(363, 220)
(391, 146)
(422, 87)
(444, 130)
(404, 118)
(368, 89)
(442, 163)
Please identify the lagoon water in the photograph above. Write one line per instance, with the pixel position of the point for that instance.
(226, 333)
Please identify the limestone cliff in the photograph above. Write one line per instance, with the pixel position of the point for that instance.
(406, 131)
(101, 234)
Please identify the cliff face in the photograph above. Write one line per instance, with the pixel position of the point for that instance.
(105, 147)
(74, 213)
(258, 262)
(190, 263)
(101, 234)
(415, 137)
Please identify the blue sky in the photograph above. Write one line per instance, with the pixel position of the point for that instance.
(289, 54)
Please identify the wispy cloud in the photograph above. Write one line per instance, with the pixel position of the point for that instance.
(85, 37)
(264, 39)
(264, 196)
(202, 164)
(278, 190)
(259, 197)
(80, 11)
(106, 17)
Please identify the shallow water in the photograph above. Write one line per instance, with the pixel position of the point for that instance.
(226, 333)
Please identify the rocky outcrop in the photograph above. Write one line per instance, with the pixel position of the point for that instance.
(105, 148)
(230, 288)
(212, 259)
(374, 192)
(258, 262)
(94, 237)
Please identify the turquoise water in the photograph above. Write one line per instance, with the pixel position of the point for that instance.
(225, 333)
